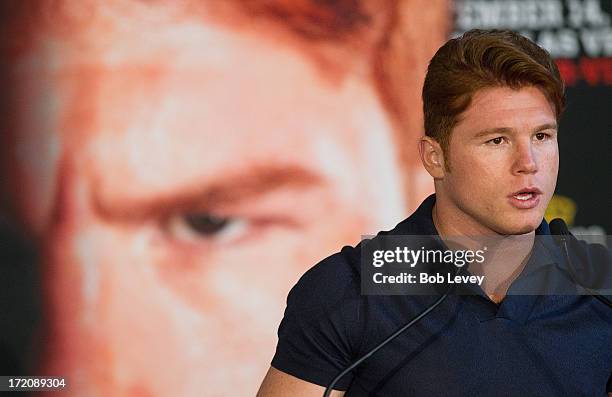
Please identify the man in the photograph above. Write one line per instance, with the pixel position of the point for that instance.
(492, 101)
(180, 163)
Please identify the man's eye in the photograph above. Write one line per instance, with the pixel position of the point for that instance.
(540, 136)
(199, 226)
(496, 141)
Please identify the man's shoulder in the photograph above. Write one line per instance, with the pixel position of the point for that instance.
(344, 267)
(593, 264)
(327, 319)
(329, 278)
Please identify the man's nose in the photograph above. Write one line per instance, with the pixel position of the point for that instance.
(525, 161)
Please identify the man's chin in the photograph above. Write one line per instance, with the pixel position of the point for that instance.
(518, 228)
(523, 230)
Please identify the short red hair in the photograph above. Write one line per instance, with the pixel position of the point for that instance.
(480, 59)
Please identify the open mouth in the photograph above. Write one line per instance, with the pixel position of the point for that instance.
(526, 198)
(523, 196)
(526, 194)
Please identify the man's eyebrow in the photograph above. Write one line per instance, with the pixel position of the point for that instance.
(492, 131)
(228, 189)
(547, 126)
(506, 130)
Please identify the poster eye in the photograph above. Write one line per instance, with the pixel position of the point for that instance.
(192, 227)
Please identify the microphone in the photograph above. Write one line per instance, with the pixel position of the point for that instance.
(562, 235)
(559, 229)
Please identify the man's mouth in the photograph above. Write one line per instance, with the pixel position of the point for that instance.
(523, 196)
(526, 193)
(526, 198)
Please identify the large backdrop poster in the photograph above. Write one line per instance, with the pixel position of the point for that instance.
(171, 168)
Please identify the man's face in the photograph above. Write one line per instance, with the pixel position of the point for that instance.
(504, 161)
(198, 176)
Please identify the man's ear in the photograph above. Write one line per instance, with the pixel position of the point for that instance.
(432, 157)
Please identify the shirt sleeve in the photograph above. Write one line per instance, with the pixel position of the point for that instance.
(320, 331)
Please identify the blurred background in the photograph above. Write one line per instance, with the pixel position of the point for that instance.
(169, 169)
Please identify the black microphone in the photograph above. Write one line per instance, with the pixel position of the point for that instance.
(562, 235)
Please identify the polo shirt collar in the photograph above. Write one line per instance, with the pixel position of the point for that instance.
(515, 305)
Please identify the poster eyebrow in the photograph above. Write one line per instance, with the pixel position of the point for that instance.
(226, 189)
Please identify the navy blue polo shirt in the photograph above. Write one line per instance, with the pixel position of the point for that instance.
(528, 345)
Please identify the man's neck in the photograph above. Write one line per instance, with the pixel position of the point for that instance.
(505, 260)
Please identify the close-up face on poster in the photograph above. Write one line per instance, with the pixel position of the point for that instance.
(169, 170)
